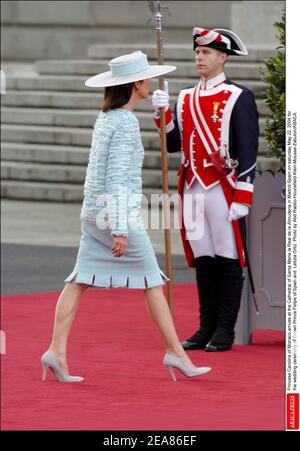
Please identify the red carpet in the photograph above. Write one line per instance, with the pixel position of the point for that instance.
(115, 346)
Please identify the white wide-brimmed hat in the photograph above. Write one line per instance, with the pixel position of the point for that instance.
(126, 69)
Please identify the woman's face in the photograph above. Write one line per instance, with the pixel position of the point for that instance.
(143, 88)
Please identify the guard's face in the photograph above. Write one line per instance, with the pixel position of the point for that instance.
(209, 62)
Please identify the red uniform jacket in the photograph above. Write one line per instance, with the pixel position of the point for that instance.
(215, 120)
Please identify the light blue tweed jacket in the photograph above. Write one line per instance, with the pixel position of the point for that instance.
(113, 183)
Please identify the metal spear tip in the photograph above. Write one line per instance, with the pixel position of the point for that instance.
(158, 7)
(151, 7)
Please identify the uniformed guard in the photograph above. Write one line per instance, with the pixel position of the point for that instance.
(215, 126)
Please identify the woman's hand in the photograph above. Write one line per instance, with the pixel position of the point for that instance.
(120, 244)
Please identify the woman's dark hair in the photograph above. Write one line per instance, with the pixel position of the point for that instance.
(116, 96)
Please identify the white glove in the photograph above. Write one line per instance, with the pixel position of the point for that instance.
(237, 211)
(160, 98)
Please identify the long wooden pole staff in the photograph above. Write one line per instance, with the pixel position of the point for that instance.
(164, 161)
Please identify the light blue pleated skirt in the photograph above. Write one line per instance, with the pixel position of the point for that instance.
(97, 266)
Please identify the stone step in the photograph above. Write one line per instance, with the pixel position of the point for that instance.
(54, 192)
(46, 135)
(41, 153)
(72, 83)
(59, 117)
(50, 116)
(42, 191)
(60, 173)
(73, 136)
(54, 154)
(75, 100)
(44, 153)
(52, 99)
(15, 170)
(175, 52)
(66, 83)
(184, 69)
(69, 192)
(82, 101)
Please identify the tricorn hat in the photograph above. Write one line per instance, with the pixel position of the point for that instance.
(126, 69)
(219, 39)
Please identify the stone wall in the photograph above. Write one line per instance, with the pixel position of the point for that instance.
(34, 30)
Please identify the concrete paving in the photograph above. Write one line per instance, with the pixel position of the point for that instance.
(40, 243)
(58, 224)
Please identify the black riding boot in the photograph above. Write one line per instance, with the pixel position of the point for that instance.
(231, 278)
(208, 292)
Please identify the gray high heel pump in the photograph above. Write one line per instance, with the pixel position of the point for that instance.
(49, 361)
(172, 361)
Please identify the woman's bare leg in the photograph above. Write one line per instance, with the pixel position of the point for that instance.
(160, 313)
(65, 311)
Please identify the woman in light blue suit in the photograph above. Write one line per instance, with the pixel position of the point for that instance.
(115, 249)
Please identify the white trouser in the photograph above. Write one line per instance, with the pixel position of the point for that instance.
(205, 216)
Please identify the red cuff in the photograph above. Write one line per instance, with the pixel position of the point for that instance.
(243, 193)
(169, 119)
